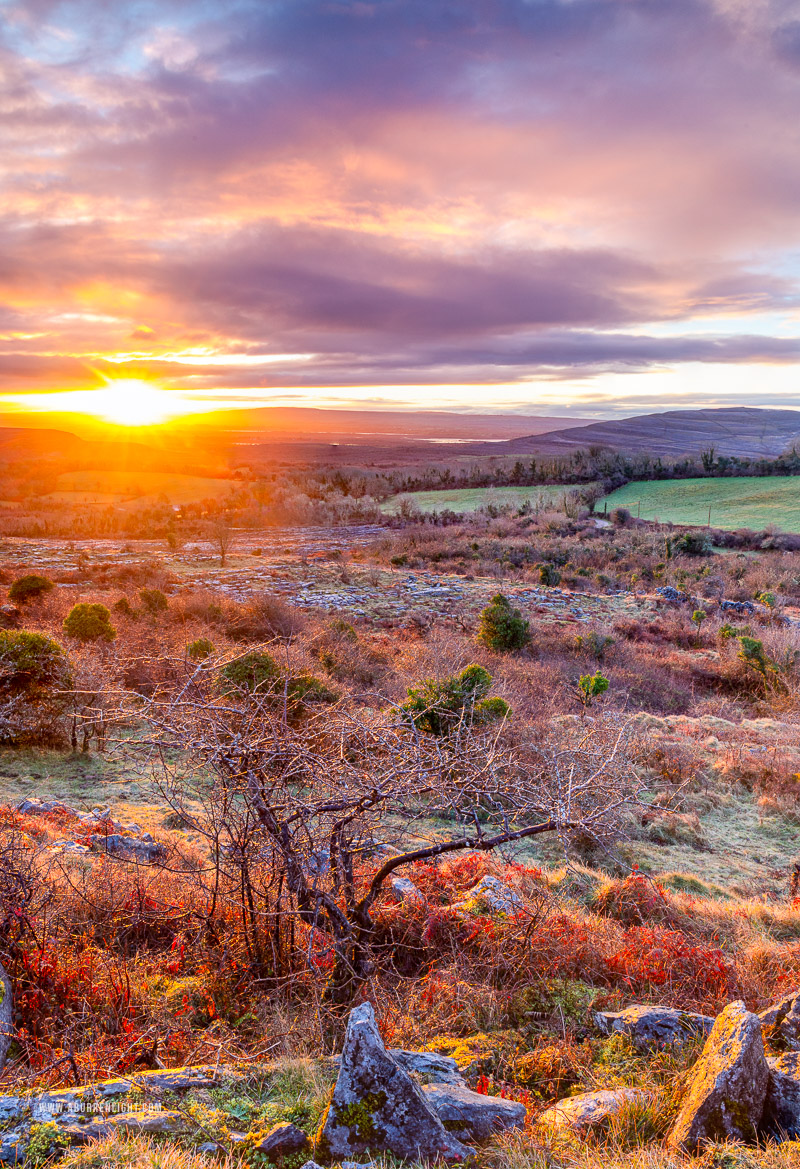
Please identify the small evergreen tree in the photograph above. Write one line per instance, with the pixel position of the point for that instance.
(200, 649)
(153, 601)
(87, 622)
(438, 707)
(502, 626)
(29, 587)
(591, 686)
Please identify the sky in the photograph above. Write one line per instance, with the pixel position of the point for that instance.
(553, 206)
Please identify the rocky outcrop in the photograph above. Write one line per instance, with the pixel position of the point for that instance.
(404, 889)
(728, 1087)
(781, 1023)
(654, 1026)
(472, 1116)
(781, 1117)
(377, 1107)
(590, 1111)
(282, 1140)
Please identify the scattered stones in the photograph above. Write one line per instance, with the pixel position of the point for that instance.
(725, 1100)
(590, 1111)
(472, 1116)
(282, 1140)
(781, 1022)
(377, 1106)
(744, 607)
(654, 1026)
(782, 1104)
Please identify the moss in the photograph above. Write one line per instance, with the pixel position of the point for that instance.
(45, 1144)
(359, 1115)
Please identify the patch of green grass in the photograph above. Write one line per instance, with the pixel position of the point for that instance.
(467, 499)
(747, 502)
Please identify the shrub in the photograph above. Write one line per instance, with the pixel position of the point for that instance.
(28, 588)
(502, 626)
(30, 664)
(620, 517)
(87, 622)
(439, 706)
(254, 671)
(754, 656)
(200, 649)
(591, 686)
(549, 575)
(124, 607)
(693, 544)
(594, 643)
(257, 672)
(154, 601)
(33, 673)
(262, 619)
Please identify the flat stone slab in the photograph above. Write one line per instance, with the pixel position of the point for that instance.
(590, 1111)
(471, 1115)
(654, 1026)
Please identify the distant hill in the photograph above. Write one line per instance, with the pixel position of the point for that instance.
(736, 430)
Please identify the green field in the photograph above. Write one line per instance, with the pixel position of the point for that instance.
(734, 503)
(466, 499)
(119, 487)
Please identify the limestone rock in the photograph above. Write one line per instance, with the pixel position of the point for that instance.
(127, 848)
(377, 1107)
(13, 1147)
(311, 1165)
(404, 889)
(589, 1111)
(499, 897)
(282, 1140)
(431, 1068)
(653, 1026)
(782, 1104)
(781, 1023)
(471, 1116)
(725, 1100)
(81, 1130)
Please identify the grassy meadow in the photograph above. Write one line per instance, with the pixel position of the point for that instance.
(735, 503)
(469, 499)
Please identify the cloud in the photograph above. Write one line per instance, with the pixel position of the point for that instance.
(402, 188)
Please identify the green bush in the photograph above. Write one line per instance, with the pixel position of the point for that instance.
(594, 643)
(89, 623)
(591, 686)
(754, 656)
(153, 601)
(438, 707)
(502, 626)
(124, 607)
(200, 649)
(28, 588)
(257, 672)
(693, 544)
(30, 664)
(549, 575)
(34, 673)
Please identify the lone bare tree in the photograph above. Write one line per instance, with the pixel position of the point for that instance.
(326, 788)
(222, 534)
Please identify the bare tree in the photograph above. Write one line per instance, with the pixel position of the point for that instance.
(222, 534)
(321, 790)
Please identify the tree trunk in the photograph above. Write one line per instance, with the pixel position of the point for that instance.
(6, 1014)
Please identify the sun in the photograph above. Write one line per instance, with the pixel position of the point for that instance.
(132, 402)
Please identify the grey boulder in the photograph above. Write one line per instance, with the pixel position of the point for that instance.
(498, 897)
(282, 1140)
(590, 1111)
(429, 1067)
(728, 1086)
(377, 1107)
(781, 1023)
(782, 1104)
(654, 1026)
(472, 1116)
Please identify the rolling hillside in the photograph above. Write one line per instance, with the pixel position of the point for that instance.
(737, 430)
